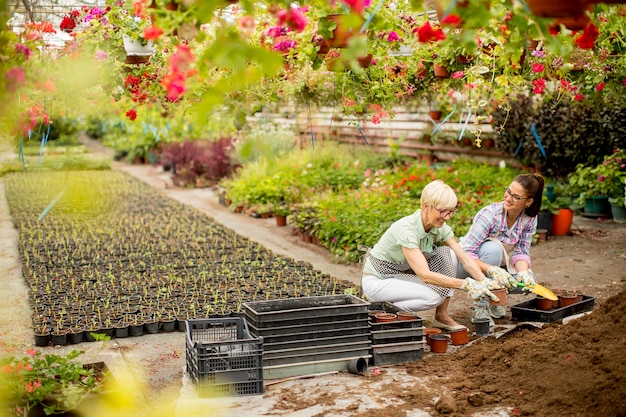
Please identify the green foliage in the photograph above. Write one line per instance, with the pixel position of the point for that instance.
(33, 379)
(345, 204)
(59, 162)
(571, 133)
(605, 179)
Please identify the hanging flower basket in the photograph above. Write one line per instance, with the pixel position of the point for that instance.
(136, 53)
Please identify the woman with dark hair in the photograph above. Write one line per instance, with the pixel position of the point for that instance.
(501, 233)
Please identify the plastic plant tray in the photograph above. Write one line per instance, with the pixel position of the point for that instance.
(320, 341)
(317, 354)
(315, 339)
(305, 310)
(302, 331)
(396, 353)
(308, 368)
(397, 335)
(528, 310)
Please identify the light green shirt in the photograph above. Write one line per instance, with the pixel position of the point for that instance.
(408, 232)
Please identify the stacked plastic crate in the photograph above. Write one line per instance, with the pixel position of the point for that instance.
(223, 358)
(397, 341)
(309, 335)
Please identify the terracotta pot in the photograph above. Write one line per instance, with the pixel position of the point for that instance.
(501, 294)
(281, 221)
(408, 315)
(439, 343)
(365, 61)
(544, 303)
(342, 33)
(459, 337)
(429, 331)
(372, 313)
(435, 115)
(567, 299)
(441, 71)
(385, 317)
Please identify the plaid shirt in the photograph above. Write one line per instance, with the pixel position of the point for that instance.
(491, 222)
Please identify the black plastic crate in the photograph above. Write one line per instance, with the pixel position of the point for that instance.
(396, 353)
(304, 310)
(222, 358)
(528, 311)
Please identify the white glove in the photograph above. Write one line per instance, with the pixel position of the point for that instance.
(477, 289)
(492, 284)
(527, 278)
(502, 276)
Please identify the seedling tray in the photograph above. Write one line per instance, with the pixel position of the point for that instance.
(528, 310)
(305, 310)
(396, 353)
(309, 331)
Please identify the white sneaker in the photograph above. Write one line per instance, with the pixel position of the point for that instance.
(497, 312)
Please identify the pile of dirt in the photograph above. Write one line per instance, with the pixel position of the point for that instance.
(572, 369)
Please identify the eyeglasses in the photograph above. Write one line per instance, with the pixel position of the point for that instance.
(446, 212)
(508, 193)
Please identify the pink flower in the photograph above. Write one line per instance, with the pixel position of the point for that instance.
(15, 76)
(101, 55)
(393, 36)
(624, 81)
(537, 67)
(358, 5)
(458, 75)
(294, 18)
(600, 86)
(23, 49)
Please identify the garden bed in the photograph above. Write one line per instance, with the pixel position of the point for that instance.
(102, 250)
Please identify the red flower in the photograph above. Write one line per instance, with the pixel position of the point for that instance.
(152, 33)
(539, 86)
(588, 38)
(600, 86)
(67, 24)
(537, 67)
(579, 97)
(427, 33)
(131, 114)
(451, 20)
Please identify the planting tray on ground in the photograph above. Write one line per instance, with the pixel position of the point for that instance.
(396, 353)
(305, 310)
(397, 335)
(528, 311)
(317, 354)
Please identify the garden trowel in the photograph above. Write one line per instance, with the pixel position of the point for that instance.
(539, 290)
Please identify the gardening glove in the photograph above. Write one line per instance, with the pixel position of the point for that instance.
(528, 279)
(491, 284)
(502, 276)
(477, 289)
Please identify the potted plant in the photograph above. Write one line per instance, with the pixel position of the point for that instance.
(596, 184)
(53, 383)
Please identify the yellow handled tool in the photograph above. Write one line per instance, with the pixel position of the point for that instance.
(539, 290)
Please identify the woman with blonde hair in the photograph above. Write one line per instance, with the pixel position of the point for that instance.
(409, 269)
